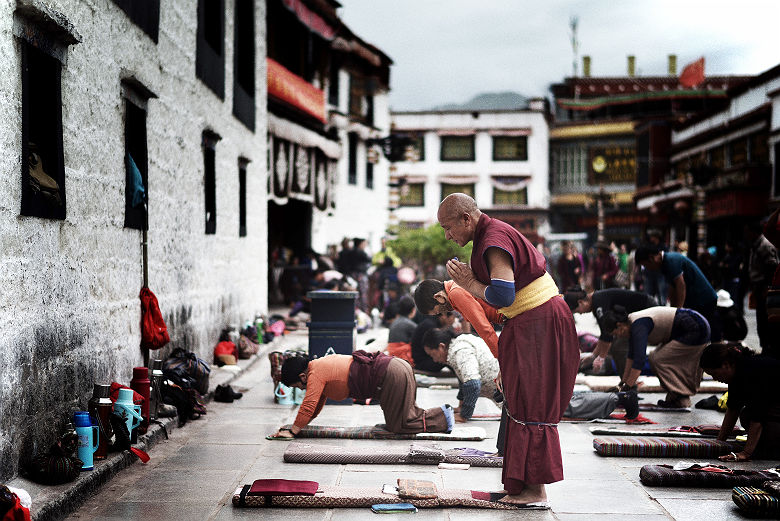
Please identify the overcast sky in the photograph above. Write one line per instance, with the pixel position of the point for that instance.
(450, 50)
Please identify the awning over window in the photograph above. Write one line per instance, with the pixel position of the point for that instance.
(510, 132)
(458, 179)
(311, 19)
(509, 183)
(289, 88)
(457, 132)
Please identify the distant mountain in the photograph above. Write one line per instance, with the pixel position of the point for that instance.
(490, 101)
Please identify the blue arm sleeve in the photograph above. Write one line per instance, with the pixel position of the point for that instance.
(637, 344)
(500, 293)
(470, 391)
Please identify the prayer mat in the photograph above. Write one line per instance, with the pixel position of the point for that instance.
(613, 418)
(301, 452)
(666, 476)
(756, 502)
(654, 407)
(377, 432)
(683, 431)
(494, 416)
(653, 447)
(648, 384)
(356, 497)
(440, 382)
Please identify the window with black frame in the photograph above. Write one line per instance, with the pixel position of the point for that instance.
(369, 175)
(411, 194)
(242, 164)
(457, 148)
(417, 146)
(510, 148)
(209, 144)
(244, 63)
(143, 13)
(352, 143)
(210, 45)
(136, 167)
(43, 169)
(451, 188)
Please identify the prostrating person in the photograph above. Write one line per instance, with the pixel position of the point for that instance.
(679, 334)
(599, 302)
(754, 397)
(361, 376)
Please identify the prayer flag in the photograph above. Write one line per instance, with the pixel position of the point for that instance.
(693, 74)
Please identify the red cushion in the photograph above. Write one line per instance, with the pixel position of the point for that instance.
(283, 487)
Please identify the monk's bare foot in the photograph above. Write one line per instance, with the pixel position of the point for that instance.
(530, 494)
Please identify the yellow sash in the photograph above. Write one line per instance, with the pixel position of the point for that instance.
(533, 295)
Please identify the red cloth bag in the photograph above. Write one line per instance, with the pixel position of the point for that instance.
(17, 512)
(154, 333)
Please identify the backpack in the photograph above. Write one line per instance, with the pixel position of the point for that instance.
(154, 333)
(186, 365)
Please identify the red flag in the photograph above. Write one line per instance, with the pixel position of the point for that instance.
(693, 74)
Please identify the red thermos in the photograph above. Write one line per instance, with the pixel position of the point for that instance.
(142, 385)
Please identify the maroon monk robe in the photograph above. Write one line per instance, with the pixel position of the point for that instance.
(538, 353)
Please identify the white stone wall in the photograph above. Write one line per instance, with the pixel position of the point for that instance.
(69, 309)
(483, 166)
(360, 211)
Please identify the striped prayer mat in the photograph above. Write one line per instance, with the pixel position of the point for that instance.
(648, 384)
(756, 501)
(301, 452)
(377, 432)
(665, 476)
(652, 447)
(701, 431)
(354, 497)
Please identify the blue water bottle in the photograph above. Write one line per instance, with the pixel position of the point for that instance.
(88, 438)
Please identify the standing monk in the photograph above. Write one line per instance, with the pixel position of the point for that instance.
(538, 352)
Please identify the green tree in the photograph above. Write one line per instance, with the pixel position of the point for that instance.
(425, 248)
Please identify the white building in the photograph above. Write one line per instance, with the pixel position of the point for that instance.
(498, 157)
(178, 86)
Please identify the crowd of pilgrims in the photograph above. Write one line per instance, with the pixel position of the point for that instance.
(658, 313)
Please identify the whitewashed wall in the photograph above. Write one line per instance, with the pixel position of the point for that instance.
(69, 308)
(360, 211)
(483, 166)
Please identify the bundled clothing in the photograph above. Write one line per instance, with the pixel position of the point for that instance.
(369, 375)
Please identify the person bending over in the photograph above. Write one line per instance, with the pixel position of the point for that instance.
(362, 376)
(470, 357)
(680, 335)
(599, 302)
(754, 397)
(477, 369)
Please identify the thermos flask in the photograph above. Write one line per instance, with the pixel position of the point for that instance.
(141, 384)
(88, 438)
(100, 407)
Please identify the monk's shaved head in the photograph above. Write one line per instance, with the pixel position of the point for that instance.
(457, 204)
(458, 215)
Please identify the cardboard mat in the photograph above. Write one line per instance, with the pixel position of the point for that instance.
(378, 432)
(415, 454)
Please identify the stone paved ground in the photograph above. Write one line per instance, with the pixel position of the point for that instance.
(193, 475)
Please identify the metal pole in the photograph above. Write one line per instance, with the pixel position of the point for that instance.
(145, 254)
